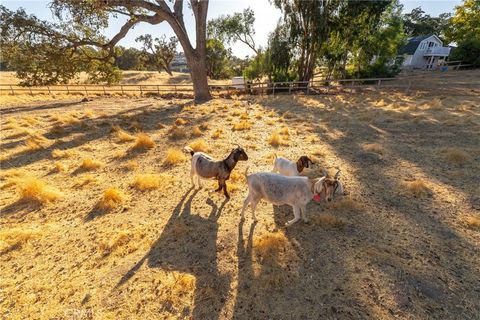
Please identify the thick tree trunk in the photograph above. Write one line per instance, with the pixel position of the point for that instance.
(198, 72)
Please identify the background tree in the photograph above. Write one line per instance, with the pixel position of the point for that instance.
(130, 59)
(465, 31)
(234, 28)
(218, 60)
(307, 22)
(83, 22)
(417, 23)
(161, 51)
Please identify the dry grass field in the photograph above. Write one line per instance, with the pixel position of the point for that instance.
(99, 220)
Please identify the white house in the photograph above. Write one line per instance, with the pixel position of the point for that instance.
(424, 52)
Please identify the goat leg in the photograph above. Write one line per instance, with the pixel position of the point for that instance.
(225, 192)
(219, 186)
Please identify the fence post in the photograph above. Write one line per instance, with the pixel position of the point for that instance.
(49, 92)
(86, 93)
(158, 89)
(175, 89)
(122, 90)
(31, 93)
(289, 88)
(68, 91)
(274, 88)
(409, 85)
(308, 88)
(379, 83)
(13, 92)
(141, 91)
(104, 92)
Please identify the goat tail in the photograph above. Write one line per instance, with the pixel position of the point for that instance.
(189, 150)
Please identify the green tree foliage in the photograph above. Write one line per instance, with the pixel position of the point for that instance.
(130, 59)
(217, 60)
(380, 47)
(64, 47)
(363, 39)
(307, 23)
(468, 51)
(417, 23)
(45, 53)
(160, 51)
(465, 31)
(258, 67)
(234, 28)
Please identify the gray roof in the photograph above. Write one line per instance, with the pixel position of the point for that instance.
(412, 44)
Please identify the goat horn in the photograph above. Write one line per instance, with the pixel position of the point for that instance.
(337, 174)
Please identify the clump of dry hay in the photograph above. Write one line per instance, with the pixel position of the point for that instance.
(124, 136)
(32, 145)
(174, 156)
(328, 220)
(131, 165)
(143, 142)
(380, 103)
(373, 147)
(176, 133)
(30, 120)
(217, 133)
(121, 243)
(151, 181)
(270, 245)
(85, 180)
(196, 132)
(112, 198)
(274, 259)
(89, 113)
(473, 222)
(33, 189)
(90, 164)
(458, 156)
(59, 154)
(59, 167)
(345, 203)
(435, 104)
(417, 188)
(198, 145)
(242, 125)
(11, 238)
(276, 140)
(180, 122)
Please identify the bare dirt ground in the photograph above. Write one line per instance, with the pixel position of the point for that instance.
(403, 243)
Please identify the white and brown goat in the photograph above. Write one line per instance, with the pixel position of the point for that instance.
(205, 167)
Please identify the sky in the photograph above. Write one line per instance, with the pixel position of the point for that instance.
(266, 18)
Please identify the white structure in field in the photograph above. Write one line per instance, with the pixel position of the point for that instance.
(238, 83)
(424, 52)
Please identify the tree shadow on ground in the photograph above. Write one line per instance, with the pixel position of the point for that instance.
(188, 245)
(406, 242)
(45, 106)
(98, 128)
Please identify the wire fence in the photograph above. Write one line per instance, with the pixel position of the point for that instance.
(406, 83)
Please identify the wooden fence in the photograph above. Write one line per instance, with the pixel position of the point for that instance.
(254, 88)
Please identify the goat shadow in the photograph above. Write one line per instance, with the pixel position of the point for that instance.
(188, 245)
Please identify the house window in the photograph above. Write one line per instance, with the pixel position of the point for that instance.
(431, 44)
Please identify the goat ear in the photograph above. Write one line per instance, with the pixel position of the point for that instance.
(305, 162)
